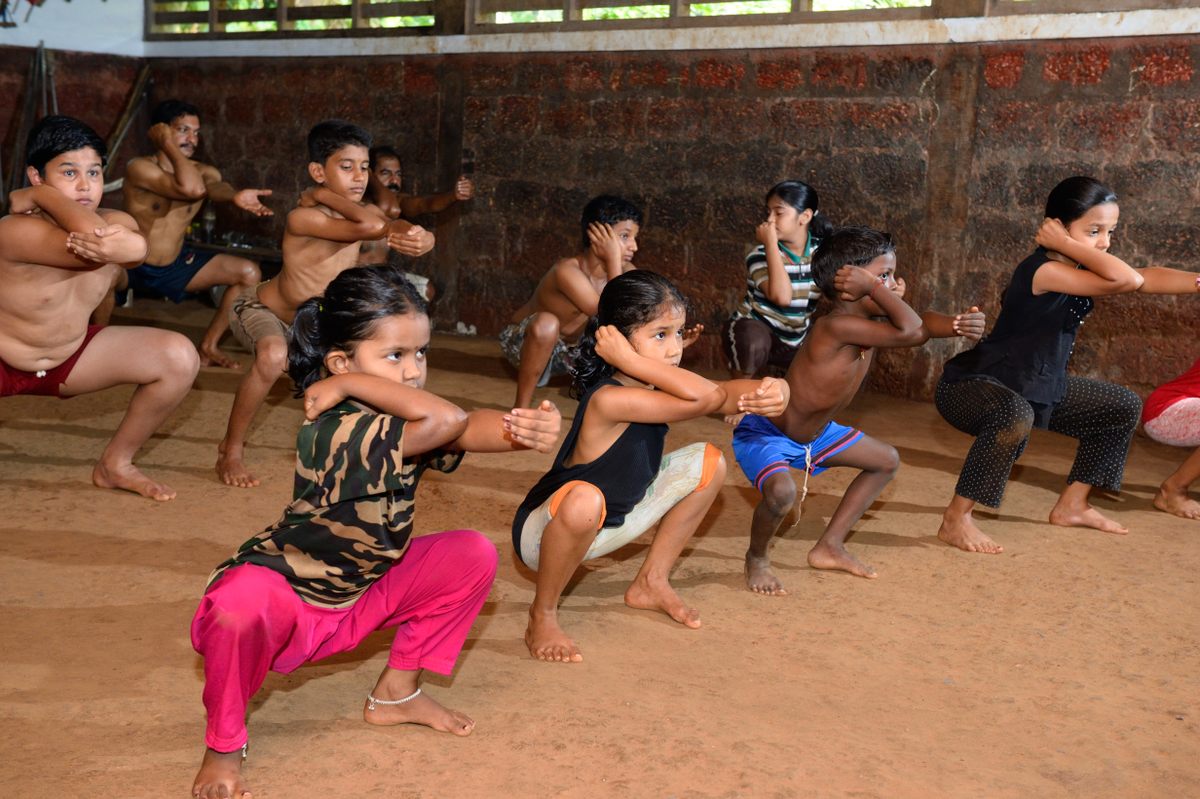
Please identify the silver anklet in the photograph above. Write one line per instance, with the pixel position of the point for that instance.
(372, 701)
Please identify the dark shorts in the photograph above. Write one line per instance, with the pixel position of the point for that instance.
(47, 383)
(171, 280)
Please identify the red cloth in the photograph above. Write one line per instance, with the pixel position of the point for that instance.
(16, 381)
(1166, 395)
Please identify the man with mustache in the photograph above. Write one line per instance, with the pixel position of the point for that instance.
(163, 192)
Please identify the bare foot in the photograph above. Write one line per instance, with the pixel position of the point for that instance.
(1085, 517)
(423, 710)
(220, 776)
(129, 478)
(759, 577)
(659, 595)
(827, 556)
(232, 470)
(211, 355)
(961, 532)
(1176, 502)
(547, 641)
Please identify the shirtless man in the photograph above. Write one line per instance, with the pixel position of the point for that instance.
(321, 241)
(544, 328)
(384, 191)
(163, 192)
(59, 252)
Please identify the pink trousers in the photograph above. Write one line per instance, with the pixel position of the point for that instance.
(251, 621)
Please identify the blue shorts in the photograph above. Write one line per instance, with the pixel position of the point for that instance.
(169, 281)
(762, 449)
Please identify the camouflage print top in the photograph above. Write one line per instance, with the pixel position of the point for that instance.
(352, 510)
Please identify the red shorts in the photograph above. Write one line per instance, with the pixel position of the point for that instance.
(48, 383)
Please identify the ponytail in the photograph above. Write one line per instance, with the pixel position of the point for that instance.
(306, 358)
(588, 368)
(627, 302)
(820, 227)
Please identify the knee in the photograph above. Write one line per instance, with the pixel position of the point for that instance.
(270, 356)
(712, 475)
(248, 274)
(543, 328)
(779, 494)
(582, 510)
(181, 362)
(889, 462)
(477, 553)
(1016, 422)
(1128, 406)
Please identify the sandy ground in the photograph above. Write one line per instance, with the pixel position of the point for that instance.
(1066, 666)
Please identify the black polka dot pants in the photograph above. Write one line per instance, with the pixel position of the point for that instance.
(1102, 416)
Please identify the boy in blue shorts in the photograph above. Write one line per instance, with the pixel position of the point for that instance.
(854, 267)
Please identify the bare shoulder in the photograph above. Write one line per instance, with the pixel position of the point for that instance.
(140, 168)
(208, 172)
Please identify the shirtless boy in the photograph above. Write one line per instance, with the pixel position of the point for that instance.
(59, 252)
(544, 329)
(163, 192)
(383, 189)
(321, 240)
(854, 268)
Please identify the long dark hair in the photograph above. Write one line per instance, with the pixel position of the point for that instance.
(802, 197)
(627, 302)
(345, 315)
(1075, 196)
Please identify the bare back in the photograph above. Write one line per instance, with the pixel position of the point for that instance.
(562, 291)
(162, 220)
(44, 309)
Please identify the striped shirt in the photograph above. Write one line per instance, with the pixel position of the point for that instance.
(788, 322)
(352, 509)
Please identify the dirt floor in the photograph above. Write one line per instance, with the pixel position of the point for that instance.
(1067, 666)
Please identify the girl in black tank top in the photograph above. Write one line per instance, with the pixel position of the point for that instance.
(610, 481)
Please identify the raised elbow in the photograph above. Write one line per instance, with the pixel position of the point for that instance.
(372, 229)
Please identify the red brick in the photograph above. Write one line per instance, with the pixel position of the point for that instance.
(785, 74)
(675, 117)
(1078, 68)
(718, 74)
(624, 119)
(569, 119)
(579, 75)
(1176, 126)
(1109, 126)
(1003, 70)
(652, 74)
(517, 115)
(1163, 66)
(846, 72)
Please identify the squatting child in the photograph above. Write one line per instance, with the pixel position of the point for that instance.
(340, 564)
(60, 253)
(610, 481)
(854, 267)
(543, 330)
(321, 240)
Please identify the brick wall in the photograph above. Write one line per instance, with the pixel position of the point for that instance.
(951, 147)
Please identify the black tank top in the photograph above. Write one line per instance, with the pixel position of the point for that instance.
(1030, 344)
(622, 473)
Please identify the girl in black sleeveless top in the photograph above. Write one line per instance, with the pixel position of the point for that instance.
(1016, 378)
(610, 481)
